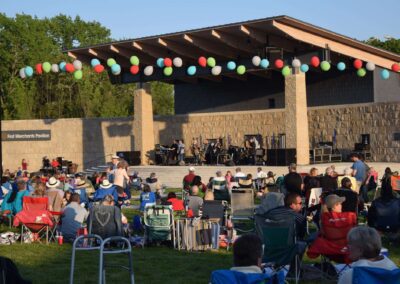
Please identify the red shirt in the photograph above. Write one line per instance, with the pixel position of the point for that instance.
(177, 204)
(55, 164)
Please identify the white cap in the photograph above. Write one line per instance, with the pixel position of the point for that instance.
(114, 157)
(192, 169)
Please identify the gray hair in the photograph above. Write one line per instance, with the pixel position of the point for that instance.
(108, 200)
(328, 171)
(347, 171)
(367, 240)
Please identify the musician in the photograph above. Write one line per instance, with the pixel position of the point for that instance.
(195, 149)
(46, 162)
(173, 154)
(208, 150)
(217, 149)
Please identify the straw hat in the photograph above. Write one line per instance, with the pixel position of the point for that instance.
(53, 182)
(106, 184)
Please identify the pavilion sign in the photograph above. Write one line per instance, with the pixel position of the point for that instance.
(26, 135)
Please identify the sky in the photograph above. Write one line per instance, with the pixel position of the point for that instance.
(127, 19)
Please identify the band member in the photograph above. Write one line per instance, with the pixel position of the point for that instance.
(173, 154)
(195, 148)
(208, 150)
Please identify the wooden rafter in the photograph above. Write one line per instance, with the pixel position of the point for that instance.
(153, 51)
(210, 47)
(232, 41)
(127, 52)
(177, 48)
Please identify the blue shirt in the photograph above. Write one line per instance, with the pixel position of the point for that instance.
(361, 169)
(146, 197)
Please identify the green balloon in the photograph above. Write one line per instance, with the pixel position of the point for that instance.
(111, 62)
(361, 72)
(78, 74)
(211, 61)
(325, 66)
(46, 67)
(286, 71)
(134, 60)
(168, 71)
(241, 69)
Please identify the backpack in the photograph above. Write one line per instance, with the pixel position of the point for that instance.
(9, 273)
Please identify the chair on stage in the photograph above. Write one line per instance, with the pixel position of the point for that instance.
(35, 219)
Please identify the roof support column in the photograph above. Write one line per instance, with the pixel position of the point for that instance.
(143, 128)
(296, 121)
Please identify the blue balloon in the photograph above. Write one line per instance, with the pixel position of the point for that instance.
(115, 69)
(304, 68)
(191, 70)
(94, 62)
(231, 65)
(160, 62)
(62, 66)
(341, 66)
(28, 71)
(385, 74)
(264, 63)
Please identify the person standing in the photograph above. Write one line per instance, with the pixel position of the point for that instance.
(24, 165)
(360, 173)
(181, 152)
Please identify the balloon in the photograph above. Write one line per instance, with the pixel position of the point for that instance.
(116, 69)
(370, 66)
(167, 62)
(46, 66)
(168, 70)
(279, 63)
(202, 61)
(191, 70)
(28, 71)
(69, 68)
(395, 67)
(134, 60)
(241, 69)
(148, 70)
(77, 64)
(304, 68)
(231, 65)
(62, 66)
(361, 72)
(160, 62)
(78, 74)
(286, 71)
(111, 62)
(385, 74)
(296, 63)
(211, 62)
(22, 73)
(94, 62)
(325, 66)
(264, 63)
(315, 61)
(341, 66)
(357, 63)
(177, 62)
(38, 68)
(256, 60)
(134, 69)
(216, 70)
(54, 68)
(99, 68)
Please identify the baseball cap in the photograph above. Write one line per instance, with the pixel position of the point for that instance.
(332, 199)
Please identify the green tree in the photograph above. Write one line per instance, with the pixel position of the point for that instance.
(390, 44)
(163, 98)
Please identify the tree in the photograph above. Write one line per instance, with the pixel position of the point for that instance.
(390, 44)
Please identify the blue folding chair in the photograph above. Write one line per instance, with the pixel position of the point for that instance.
(225, 276)
(372, 275)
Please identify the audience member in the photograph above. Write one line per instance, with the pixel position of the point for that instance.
(147, 197)
(12, 203)
(72, 218)
(293, 181)
(239, 174)
(177, 204)
(311, 181)
(105, 188)
(188, 179)
(194, 201)
(348, 174)
(247, 254)
(39, 190)
(328, 181)
(360, 173)
(54, 194)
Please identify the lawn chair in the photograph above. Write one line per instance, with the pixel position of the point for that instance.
(372, 275)
(314, 199)
(224, 276)
(242, 209)
(158, 222)
(35, 219)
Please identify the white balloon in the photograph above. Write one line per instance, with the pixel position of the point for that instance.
(216, 70)
(370, 66)
(256, 60)
(296, 63)
(55, 68)
(177, 61)
(148, 70)
(22, 73)
(77, 65)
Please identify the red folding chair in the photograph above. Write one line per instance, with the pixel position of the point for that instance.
(34, 218)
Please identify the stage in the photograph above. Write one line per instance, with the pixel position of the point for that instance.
(171, 176)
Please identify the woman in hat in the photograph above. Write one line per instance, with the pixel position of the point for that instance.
(54, 194)
(105, 188)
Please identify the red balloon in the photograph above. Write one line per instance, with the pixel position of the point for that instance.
(396, 67)
(167, 62)
(315, 61)
(39, 69)
(279, 63)
(202, 61)
(357, 63)
(69, 67)
(135, 69)
(99, 68)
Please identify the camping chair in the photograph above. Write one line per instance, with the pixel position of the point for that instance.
(158, 222)
(314, 199)
(220, 189)
(34, 218)
(215, 210)
(280, 244)
(225, 276)
(242, 208)
(372, 275)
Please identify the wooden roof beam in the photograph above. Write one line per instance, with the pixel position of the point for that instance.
(177, 48)
(151, 50)
(209, 47)
(80, 56)
(236, 76)
(232, 41)
(126, 52)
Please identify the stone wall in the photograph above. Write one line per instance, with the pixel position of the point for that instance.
(91, 140)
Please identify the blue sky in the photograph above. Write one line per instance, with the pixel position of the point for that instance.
(358, 19)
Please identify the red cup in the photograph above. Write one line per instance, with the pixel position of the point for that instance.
(60, 240)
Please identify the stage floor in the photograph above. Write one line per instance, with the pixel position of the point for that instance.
(172, 176)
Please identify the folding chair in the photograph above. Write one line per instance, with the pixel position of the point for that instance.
(242, 209)
(313, 200)
(372, 275)
(225, 276)
(220, 189)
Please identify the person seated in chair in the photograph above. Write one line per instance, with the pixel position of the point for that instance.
(177, 204)
(328, 182)
(347, 174)
(219, 186)
(147, 197)
(12, 203)
(351, 202)
(293, 181)
(246, 182)
(72, 218)
(154, 183)
(365, 251)
(194, 201)
(247, 254)
(104, 189)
